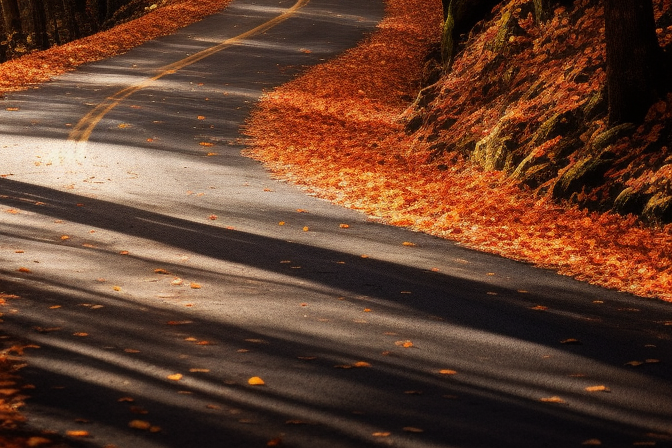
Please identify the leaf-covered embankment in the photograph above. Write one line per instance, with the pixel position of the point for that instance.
(341, 130)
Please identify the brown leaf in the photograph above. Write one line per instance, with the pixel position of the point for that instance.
(553, 399)
(634, 363)
(180, 322)
(139, 424)
(413, 429)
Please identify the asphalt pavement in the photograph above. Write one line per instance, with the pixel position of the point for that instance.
(160, 272)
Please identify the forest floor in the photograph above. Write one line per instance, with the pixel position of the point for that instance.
(338, 131)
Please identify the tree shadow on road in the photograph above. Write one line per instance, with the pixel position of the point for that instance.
(315, 393)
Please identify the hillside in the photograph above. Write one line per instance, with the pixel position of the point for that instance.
(530, 100)
(508, 153)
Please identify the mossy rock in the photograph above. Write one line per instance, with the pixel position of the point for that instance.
(658, 210)
(596, 106)
(586, 173)
(611, 136)
(493, 151)
(630, 201)
(558, 124)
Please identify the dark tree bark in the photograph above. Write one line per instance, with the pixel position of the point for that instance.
(12, 16)
(39, 16)
(542, 10)
(634, 60)
(460, 17)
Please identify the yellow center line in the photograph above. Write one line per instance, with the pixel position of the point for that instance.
(83, 129)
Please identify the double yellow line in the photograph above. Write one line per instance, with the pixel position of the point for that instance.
(83, 129)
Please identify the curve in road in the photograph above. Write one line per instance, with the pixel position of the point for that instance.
(162, 271)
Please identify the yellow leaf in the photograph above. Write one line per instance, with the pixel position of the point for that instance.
(597, 389)
(306, 228)
(255, 381)
(117, 288)
(408, 243)
(195, 285)
(553, 399)
(281, 223)
(206, 144)
(447, 372)
(139, 424)
(77, 433)
(210, 154)
(201, 117)
(344, 226)
(124, 126)
(65, 237)
(175, 377)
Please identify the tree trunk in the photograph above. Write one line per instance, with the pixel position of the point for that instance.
(12, 17)
(460, 18)
(634, 59)
(39, 13)
(542, 10)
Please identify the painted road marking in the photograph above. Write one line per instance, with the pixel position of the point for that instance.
(83, 129)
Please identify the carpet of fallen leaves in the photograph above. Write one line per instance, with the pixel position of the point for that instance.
(338, 132)
(41, 66)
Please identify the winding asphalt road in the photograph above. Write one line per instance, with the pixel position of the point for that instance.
(157, 279)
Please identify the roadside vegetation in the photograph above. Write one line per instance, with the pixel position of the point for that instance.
(510, 151)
